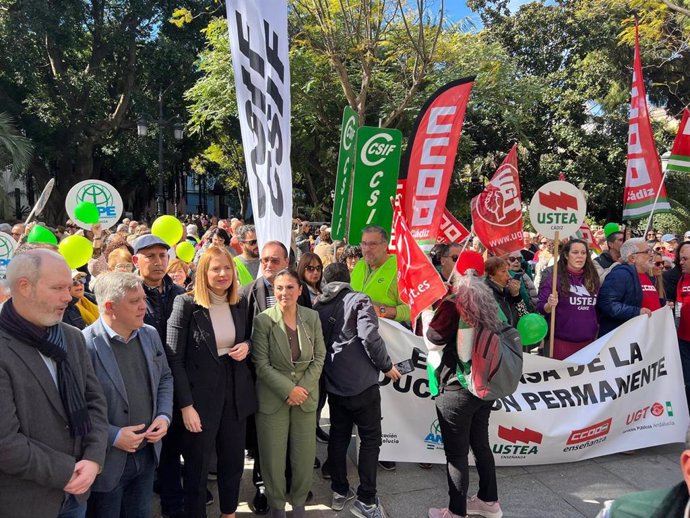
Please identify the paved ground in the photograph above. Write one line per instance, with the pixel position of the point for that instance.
(553, 491)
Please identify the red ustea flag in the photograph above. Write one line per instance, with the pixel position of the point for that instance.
(680, 154)
(451, 231)
(419, 284)
(497, 211)
(643, 175)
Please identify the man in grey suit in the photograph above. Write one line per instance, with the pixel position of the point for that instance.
(131, 365)
(53, 430)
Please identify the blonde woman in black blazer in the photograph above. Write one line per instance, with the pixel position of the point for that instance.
(210, 348)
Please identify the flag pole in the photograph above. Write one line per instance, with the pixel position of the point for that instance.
(658, 192)
(554, 278)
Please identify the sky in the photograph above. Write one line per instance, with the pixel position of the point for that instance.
(457, 9)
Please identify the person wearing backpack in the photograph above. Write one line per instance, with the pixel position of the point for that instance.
(466, 326)
(356, 354)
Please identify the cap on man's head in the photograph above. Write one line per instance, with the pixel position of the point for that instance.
(667, 238)
(686, 236)
(6, 228)
(147, 241)
(76, 274)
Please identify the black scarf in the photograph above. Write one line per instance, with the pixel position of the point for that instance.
(50, 344)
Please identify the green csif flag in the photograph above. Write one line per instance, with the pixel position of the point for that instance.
(377, 165)
(343, 181)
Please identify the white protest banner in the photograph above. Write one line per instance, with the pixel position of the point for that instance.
(622, 392)
(103, 195)
(259, 48)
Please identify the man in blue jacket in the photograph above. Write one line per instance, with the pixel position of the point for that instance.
(627, 290)
(129, 361)
(356, 356)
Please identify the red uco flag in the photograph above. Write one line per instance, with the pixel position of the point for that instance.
(451, 231)
(680, 154)
(643, 175)
(427, 165)
(497, 211)
(419, 284)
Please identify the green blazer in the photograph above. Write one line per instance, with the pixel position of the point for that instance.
(276, 374)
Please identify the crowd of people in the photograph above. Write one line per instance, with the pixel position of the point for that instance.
(140, 370)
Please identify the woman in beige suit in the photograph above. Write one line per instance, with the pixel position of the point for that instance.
(288, 354)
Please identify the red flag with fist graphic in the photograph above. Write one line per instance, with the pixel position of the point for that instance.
(497, 211)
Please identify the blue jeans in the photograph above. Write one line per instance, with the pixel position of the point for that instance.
(72, 508)
(131, 498)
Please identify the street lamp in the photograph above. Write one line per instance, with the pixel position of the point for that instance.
(161, 123)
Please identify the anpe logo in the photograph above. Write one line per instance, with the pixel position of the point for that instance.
(99, 196)
(374, 151)
(434, 440)
(591, 432)
(514, 435)
(6, 248)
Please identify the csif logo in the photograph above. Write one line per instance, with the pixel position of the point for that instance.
(376, 149)
(100, 196)
(349, 133)
(434, 440)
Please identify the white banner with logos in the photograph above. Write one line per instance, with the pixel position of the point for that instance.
(624, 391)
(259, 48)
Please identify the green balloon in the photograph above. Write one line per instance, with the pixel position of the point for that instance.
(87, 212)
(168, 228)
(611, 228)
(77, 250)
(532, 328)
(185, 251)
(41, 234)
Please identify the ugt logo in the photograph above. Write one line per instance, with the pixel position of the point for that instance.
(499, 204)
(434, 440)
(100, 196)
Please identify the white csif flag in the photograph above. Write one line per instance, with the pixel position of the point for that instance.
(259, 49)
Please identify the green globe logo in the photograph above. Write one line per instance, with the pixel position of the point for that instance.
(435, 428)
(96, 194)
(5, 248)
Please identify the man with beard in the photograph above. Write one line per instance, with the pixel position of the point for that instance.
(248, 262)
(54, 430)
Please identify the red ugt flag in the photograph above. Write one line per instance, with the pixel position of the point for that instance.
(419, 284)
(497, 211)
(643, 175)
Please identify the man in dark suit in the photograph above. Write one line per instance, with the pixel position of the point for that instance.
(53, 431)
(259, 295)
(131, 365)
(151, 259)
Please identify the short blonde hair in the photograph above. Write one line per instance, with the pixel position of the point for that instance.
(177, 264)
(117, 256)
(201, 289)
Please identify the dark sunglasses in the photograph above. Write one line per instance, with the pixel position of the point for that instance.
(658, 264)
(453, 257)
(77, 282)
(311, 268)
(513, 259)
(251, 242)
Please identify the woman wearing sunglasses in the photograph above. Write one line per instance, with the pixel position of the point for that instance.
(82, 310)
(288, 354)
(656, 272)
(310, 271)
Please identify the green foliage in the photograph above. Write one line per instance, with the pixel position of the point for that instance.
(15, 149)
